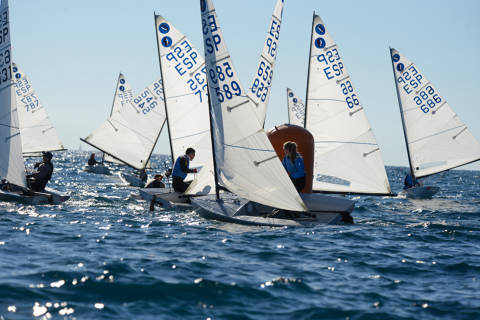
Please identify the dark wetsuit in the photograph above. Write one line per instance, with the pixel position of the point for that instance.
(92, 162)
(155, 184)
(38, 180)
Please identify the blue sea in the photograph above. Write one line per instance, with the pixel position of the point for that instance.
(104, 255)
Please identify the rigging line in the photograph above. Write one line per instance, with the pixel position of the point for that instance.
(348, 142)
(191, 135)
(247, 148)
(435, 134)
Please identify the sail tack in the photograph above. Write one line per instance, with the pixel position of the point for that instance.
(259, 91)
(437, 140)
(246, 161)
(38, 133)
(12, 167)
(347, 157)
(186, 101)
(296, 109)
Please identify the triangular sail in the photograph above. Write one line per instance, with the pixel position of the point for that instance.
(12, 167)
(437, 140)
(186, 102)
(259, 91)
(122, 98)
(245, 159)
(38, 133)
(347, 157)
(296, 109)
(131, 133)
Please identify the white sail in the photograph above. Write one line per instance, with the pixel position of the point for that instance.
(259, 91)
(36, 130)
(122, 98)
(186, 101)
(296, 109)
(131, 133)
(347, 157)
(245, 159)
(12, 167)
(437, 140)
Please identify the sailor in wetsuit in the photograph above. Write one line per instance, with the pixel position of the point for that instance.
(38, 180)
(92, 161)
(157, 182)
(181, 169)
(410, 182)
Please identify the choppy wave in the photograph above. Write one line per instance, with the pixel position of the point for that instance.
(104, 255)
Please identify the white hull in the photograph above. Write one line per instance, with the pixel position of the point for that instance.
(322, 210)
(98, 169)
(164, 197)
(49, 196)
(131, 180)
(423, 192)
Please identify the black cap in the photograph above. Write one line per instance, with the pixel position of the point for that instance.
(48, 155)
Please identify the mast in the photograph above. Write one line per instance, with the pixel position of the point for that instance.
(217, 194)
(163, 91)
(113, 103)
(308, 72)
(402, 117)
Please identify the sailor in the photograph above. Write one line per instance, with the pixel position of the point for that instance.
(157, 182)
(293, 163)
(38, 180)
(410, 182)
(181, 169)
(143, 175)
(92, 161)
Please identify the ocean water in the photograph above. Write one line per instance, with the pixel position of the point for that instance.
(103, 255)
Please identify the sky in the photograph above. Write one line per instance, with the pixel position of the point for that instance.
(72, 52)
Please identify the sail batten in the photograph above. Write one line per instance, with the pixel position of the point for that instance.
(346, 157)
(436, 141)
(238, 136)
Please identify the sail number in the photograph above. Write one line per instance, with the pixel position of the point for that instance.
(220, 76)
(351, 97)
(30, 102)
(145, 101)
(427, 99)
(263, 80)
(410, 79)
(272, 39)
(185, 57)
(5, 68)
(333, 64)
(4, 32)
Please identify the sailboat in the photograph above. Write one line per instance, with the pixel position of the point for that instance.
(435, 137)
(187, 106)
(38, 133)
(347, 156)
(296, 109)
(13, 184)
(129, 135)
(244, 160)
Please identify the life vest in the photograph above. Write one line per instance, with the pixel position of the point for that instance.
(177, 168)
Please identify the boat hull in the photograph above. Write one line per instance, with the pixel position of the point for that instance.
(423, 192)
(322, 210)
(98, 169)
(165, 197)
(48, 196)
(131, 180)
